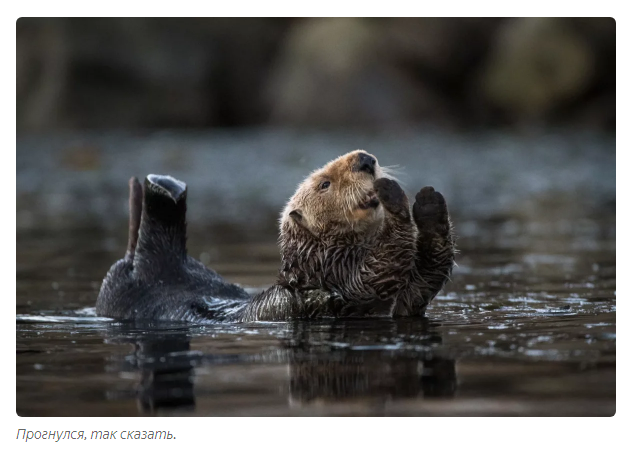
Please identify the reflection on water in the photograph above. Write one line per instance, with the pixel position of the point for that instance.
(165, 364)
(319, 366)
(527, 327)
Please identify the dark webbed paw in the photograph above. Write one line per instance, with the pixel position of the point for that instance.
(430, 210)
(166, 186)
(392, 197)
(136, 209)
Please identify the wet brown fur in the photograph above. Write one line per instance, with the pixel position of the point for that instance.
(366, 258)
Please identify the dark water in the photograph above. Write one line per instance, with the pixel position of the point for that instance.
(527, 327)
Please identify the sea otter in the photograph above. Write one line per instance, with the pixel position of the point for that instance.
(350, 246)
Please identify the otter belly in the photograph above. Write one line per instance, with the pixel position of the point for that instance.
(170, 303)
(192, 293)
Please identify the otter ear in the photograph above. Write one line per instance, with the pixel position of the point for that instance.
(297, 216)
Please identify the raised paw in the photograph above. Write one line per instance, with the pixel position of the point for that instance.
(430, 209)
(391, 196)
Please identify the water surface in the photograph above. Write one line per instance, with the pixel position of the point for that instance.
(526, 327)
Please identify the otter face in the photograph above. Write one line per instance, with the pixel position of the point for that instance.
(339, 197)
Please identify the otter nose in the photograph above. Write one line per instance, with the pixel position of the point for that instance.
(366, 163)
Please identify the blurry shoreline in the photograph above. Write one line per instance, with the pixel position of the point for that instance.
(83, 73)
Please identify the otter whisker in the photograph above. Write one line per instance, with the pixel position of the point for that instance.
(393, 172)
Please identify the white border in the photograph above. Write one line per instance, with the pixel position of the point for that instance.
(364, 436)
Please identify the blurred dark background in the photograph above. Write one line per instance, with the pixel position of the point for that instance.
(512, 119)
(330, 72)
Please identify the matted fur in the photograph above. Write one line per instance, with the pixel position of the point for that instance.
(367, 259)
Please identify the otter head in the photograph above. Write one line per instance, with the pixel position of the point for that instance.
(338, 198)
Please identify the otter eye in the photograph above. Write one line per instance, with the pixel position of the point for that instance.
(324, 185)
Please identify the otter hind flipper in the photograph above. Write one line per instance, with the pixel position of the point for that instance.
(136, 207)
(166, 185)
(162, 233)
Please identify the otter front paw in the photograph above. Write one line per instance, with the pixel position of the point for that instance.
(318, 303)
(430, 210)
(392, 197)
